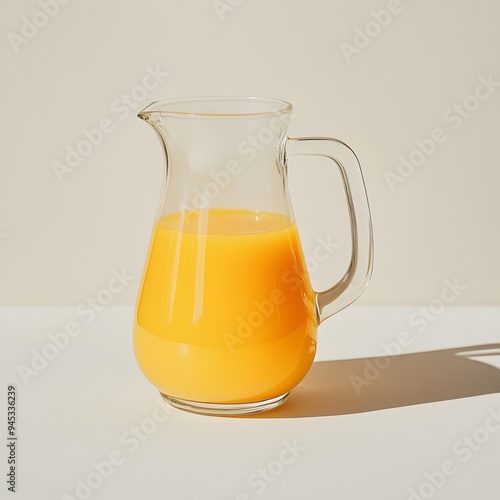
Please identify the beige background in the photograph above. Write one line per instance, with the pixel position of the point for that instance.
(61, 240)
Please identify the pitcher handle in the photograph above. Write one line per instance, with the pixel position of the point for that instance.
(359, 271)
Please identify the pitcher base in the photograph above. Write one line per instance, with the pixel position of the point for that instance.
(227, 409)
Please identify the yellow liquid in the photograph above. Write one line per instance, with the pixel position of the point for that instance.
(226, 313)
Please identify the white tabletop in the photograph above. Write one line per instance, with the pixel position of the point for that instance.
(424, 423)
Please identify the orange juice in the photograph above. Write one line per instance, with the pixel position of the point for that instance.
(226, 313)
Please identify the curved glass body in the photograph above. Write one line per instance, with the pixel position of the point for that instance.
(226, 317)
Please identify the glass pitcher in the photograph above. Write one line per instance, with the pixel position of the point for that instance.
(226, 317)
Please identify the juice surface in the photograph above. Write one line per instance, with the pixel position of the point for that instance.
(226, 312)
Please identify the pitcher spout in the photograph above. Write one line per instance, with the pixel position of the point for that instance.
(222, 152)
(150, 113)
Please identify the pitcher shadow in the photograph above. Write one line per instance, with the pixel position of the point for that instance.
(344, 387)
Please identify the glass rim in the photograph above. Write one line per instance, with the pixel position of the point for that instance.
(228, 106)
